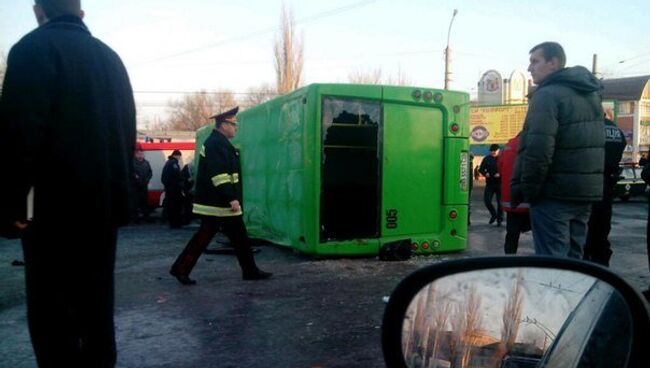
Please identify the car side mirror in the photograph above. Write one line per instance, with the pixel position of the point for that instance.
(515, 312)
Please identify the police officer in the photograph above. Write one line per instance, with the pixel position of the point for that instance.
(597, 247)
(217, 202)
(172, 179)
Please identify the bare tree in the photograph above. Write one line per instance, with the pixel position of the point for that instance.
(473, 322)
(365, 77)
(398, 80)
(258, 95)
(456, 338)
(439, 326)
(512, 314)
(194, 110)
(376, 77)
(288, 51)
(419, 320)
(466, 324)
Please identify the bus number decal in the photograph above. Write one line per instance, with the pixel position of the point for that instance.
(391, 219)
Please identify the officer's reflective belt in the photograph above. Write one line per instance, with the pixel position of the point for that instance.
(224, 179)
(201, 209)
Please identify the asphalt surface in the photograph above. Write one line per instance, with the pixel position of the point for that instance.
(312, 313)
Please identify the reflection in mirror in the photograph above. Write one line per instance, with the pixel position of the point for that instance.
(517, 317)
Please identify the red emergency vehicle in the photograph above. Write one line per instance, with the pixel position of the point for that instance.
(157, 153)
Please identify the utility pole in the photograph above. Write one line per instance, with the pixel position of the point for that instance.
(447, 53)
(594, 65)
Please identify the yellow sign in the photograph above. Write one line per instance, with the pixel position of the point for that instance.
(496, 124)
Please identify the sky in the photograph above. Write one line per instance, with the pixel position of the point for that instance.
(170, 47)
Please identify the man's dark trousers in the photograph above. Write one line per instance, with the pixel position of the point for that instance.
(174, 207)
(69, 281)
(141, 207)
(597, 247)
(233, 228)
(490, 191)
(516, 223)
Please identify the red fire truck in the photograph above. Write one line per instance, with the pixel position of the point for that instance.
(157, 153)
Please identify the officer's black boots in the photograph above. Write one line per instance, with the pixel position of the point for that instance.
(183, 279)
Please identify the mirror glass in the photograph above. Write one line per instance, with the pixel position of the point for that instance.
(517, 317)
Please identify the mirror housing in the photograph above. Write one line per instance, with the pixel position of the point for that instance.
(408, 289)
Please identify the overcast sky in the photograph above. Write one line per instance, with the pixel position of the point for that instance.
(177, 46)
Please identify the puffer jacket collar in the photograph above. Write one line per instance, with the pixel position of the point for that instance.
(578, 78)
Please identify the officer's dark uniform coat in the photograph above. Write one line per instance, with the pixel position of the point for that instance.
(217, 182)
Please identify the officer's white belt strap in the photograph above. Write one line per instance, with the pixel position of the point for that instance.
(224, 179)
(201, 209)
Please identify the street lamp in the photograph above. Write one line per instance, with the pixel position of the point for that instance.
(447, 51)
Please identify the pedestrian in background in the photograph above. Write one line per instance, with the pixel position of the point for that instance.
(490, 171)
(644, 159)
(559, 167)
(172, 180)
(517, 217)
(141, 176)
(188, 192)
(67, 116)
(597, 246)
(218, 202)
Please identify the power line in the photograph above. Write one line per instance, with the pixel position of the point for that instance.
(205, 92)
(312, 18)
(625, 60)
(634, 57)
(313, 59)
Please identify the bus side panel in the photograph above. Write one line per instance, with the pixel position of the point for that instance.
(271, 144)
(309, 237)
(201, 135)
(456, 195)
(285, 170)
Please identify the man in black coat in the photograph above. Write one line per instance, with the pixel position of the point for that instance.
(597, 246)
(492, 176)
(218, 203)
(172, 179)
(67, 115)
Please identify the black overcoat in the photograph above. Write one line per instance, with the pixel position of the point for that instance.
(67, 127)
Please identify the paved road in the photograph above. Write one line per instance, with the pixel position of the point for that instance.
(313, 313)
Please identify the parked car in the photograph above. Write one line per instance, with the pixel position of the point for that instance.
(630, 185)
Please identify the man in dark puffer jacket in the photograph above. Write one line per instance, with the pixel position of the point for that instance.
(560, 162)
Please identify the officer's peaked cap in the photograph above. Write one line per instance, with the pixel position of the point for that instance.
(225, 115)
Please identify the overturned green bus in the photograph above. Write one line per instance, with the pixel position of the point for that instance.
(340, 169)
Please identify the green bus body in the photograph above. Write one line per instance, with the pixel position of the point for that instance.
(340, 169)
